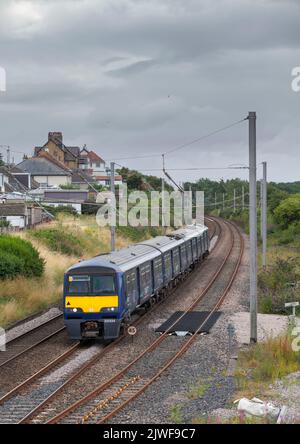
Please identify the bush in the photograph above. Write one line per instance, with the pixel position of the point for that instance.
(273, 286)
(19, 257)
(4, 223)
(61, 209)
(289, 235)
(288, 211)
(59, 240)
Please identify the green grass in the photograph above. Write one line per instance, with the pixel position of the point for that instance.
(176, 414)
(197, 390)
(262, 363)
(57, 239)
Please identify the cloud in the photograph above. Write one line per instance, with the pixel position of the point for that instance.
(134, 77)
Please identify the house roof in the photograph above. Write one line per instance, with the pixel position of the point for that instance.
(91, 155)
(17, 209)
(41, 166)
(81, 176)
(66, 195)
(15, 181)
(71, 152)
(53, 160)
(107, 177)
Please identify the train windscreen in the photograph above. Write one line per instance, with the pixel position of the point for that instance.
(95, 285)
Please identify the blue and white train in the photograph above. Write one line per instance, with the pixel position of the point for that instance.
(101, 294)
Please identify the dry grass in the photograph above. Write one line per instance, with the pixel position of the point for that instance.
(263, 363)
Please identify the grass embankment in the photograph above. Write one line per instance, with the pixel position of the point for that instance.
(60, 244)
(261, 364)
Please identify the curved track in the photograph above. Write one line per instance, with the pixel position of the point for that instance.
(39, 404)
(109, 398)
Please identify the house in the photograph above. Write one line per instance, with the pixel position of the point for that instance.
(21, 215)
(45, 171)
(67, 155)
(71, 198)
(3, 179)
(15, 180)
(105, 180)
(91, 161)
(82, 180)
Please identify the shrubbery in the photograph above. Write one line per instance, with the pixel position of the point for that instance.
(19, 257)
(288, 211)
(61, 209)
(273, 286)
(138, 234)
(57, 239)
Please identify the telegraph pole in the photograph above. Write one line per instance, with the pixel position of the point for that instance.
(253, 226)
(8, 156)
(261, 208)
(223, 201)
(264, 215)
(243, 198)
(234, 196)
(112, 189)
(162, 202)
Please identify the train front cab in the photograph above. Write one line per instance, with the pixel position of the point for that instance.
(93, 304)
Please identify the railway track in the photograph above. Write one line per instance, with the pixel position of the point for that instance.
(106, 400)
(20, 407)
(127, 381)
(31, 339)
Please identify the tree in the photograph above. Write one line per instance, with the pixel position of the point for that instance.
(288, 211)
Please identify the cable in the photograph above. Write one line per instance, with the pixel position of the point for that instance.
(184, 145)
(204, 137)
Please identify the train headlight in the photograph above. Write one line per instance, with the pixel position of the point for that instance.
(109, 309)
(74, 310)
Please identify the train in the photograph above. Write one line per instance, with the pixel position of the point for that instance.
(101, 294)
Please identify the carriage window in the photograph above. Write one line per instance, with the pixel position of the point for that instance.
(78, 284)
(176, 260)
(158, 277)
(168, 265)
(145, 280)
(100, 285)
(103, 285)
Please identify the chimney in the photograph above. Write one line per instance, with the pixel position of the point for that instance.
(56, 137)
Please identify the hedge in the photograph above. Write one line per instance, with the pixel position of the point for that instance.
(19, 257)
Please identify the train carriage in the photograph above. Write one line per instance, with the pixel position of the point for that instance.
(101, 293)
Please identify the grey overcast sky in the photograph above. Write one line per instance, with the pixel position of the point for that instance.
(133, 77)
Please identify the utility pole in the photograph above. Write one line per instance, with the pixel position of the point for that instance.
(112, 189)
(191, 202)
(223, 201)
(234, 195)
(264, 215)
(8, 156)
(215, 200)
(243, 198)
(163, 202)
(261, 208)
(253, 226)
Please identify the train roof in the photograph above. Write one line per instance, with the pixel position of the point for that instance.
(121, 260)
(130, 257)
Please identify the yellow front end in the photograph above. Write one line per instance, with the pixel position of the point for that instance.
(91, 304)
